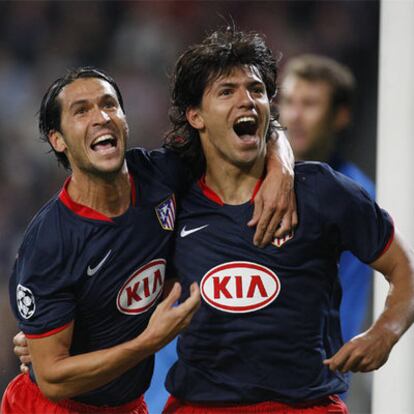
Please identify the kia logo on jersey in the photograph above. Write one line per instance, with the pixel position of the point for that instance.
(240, 287)
(142, 288)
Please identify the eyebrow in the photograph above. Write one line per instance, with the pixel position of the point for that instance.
(233, 84)
(77, 103)
(85, 101)
(226, 84)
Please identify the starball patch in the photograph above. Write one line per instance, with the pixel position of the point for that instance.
(25, 301)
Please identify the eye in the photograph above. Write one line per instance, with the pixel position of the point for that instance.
(258, 90)
(226, 92)
(80, 110)
(110, 104)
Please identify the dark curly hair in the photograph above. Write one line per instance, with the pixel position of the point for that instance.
(50, 108)
(199, 66)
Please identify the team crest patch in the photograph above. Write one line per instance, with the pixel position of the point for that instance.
(280, 241)
(166, 213)
(25, 301)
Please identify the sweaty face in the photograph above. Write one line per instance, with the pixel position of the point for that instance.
(93, 127)
(305, 111)
(233, 118)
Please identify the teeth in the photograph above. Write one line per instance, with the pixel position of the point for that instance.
(246, 119)
(102, 138)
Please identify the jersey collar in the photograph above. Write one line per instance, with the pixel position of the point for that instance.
(85, 211)
(213, 196)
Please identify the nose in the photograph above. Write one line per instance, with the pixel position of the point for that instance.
(100, 117)
(246, 99)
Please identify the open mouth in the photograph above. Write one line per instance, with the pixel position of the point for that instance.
(246, 125)
(103, 142)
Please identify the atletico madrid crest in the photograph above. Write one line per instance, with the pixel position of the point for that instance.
(166, 213)
(280, 241)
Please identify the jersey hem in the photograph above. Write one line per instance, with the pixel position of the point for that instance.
(389, 242)
(48, 333)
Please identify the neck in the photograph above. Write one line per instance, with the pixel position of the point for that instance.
(108, 195)
(234, 185)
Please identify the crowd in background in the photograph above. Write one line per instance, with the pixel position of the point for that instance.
(137, 43)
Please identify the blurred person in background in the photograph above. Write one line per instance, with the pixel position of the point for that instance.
(316, 101)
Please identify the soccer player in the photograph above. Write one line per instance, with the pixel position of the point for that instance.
(316, 107)
(267, 338)
(91, 269)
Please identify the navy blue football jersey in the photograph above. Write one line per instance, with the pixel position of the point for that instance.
(105, 274)
(269, 317)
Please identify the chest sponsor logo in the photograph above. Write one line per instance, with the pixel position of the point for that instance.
(166, 213)
(240, 287)
(186, 232)
(92, 270)
(280, 241)
(25, 301)
(142, 289)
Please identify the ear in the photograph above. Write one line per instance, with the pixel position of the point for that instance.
(342, 118)
(56, 141)
(194, 118)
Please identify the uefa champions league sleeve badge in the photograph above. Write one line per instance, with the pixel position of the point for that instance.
(25, 301)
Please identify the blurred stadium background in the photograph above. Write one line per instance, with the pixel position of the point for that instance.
(138, 42)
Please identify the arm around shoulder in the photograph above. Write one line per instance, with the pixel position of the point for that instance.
(275, 205)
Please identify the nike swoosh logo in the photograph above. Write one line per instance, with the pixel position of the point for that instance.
(92, 270)
(185, 232)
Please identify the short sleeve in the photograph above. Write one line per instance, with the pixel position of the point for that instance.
(351, 218)
(41, 292)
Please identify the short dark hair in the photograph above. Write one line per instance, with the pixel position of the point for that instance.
(199, 66)
(50, 108)
(321, 68)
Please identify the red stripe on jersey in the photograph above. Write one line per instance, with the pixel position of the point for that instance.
(387, 246)
(213, 196)
(49, 333)
(208, 192)
(256, 189)
(79, 209)
(88, 212)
